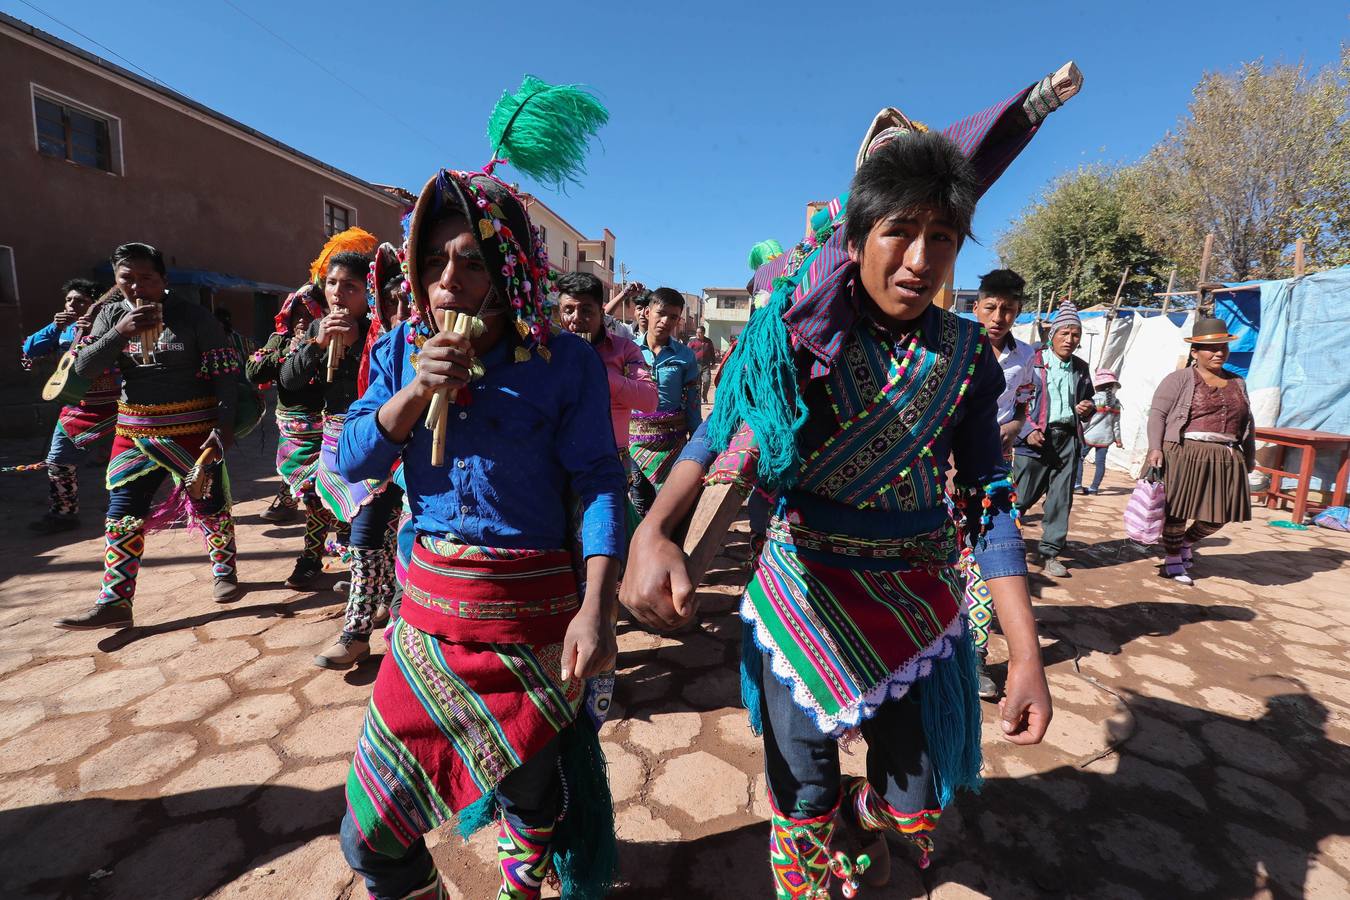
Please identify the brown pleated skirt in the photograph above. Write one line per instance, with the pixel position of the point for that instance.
(1207, 482)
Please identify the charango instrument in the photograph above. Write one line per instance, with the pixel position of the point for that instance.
(66, 384)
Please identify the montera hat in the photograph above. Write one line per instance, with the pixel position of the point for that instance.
(1210, 331)
(542, 130)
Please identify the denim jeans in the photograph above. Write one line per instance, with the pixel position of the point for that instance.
(372, 520)
(528, 796)
(802, 764)
(63, 451)
(1100, 461)
(136, 497)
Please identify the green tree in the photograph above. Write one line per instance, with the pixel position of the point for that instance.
(1259, 160)
(1077, 235)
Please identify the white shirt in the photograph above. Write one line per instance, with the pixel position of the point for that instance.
(1018, 376)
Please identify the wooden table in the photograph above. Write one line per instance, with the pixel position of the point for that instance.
(1310, 442)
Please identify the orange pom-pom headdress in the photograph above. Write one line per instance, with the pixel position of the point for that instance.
(358, 240)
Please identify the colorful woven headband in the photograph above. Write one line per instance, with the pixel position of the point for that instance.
(305, 294)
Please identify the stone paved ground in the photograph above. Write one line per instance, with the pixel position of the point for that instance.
(1199, 746)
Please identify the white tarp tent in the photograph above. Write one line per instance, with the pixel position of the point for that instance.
(1142, 350)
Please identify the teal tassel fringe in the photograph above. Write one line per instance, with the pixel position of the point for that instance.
(752, 677)
(950, 706)
(759, 389)
(477, 815)
(544, 130)
(585, 852)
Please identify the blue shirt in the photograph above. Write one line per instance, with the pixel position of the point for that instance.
(535, 439)
(675, 371)
(49, 339)
(1059, 386)
(971, 440)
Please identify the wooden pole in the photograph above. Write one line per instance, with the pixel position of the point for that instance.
(335, 349)
(1171, 283)
(1111, 316)
(149, 337)
(717, 508)
(436, 409)
(1298, 258)
(1202, 289)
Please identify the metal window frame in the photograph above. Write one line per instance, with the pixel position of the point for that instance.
(116, 158)
(350, 207)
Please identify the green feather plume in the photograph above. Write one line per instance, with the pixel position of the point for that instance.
(544, 130)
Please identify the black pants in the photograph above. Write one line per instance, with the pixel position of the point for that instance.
(802, 764)
(1050, 475)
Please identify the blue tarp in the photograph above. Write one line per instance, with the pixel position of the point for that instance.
(1298, 369)
(1241, 312)
(1176, 317)
(216, 281)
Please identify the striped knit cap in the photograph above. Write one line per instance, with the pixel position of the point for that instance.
(1066, 315)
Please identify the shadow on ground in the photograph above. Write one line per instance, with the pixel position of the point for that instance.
(1233, 826)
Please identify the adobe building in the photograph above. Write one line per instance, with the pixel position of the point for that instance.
(92, 156)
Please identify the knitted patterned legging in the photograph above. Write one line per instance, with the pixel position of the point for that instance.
(1175, 533)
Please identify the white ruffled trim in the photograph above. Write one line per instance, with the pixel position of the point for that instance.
(894, 687)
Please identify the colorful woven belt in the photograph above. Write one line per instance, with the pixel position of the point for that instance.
(166, 419)
(652, 425)
(931, 550)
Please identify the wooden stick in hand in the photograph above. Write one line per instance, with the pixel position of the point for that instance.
(149, 337)
(718, 507)
(450, 321)
(335, 348)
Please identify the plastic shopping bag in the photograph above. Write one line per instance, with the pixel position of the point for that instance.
(1147, 507)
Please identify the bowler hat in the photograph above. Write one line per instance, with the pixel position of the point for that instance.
(1210, 331)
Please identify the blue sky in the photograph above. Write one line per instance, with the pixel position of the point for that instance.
(726, 118)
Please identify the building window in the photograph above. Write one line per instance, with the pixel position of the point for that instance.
(543, 235)
(337, 217)
(9, 280)
(564, 249)
(611, 264)
(67, 131)
(581, 255)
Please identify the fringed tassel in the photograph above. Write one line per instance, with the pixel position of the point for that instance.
(174, 509)
(950, 706)
(759, 389)
(585, 852)
(752, 678)
(477, 816)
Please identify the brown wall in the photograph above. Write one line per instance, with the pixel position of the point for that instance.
(209, 198)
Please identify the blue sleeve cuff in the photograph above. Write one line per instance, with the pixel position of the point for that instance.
(364, 450)
(697, 449)
(1001, 553)
(602, 527)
